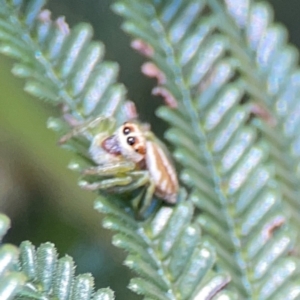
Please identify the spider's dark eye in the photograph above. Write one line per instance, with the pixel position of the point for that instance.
(131, 140)
(126, 130)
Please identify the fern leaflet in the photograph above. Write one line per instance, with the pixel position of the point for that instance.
(228, 160)
(65, 67)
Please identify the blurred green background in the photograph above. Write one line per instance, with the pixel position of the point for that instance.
(37, 191)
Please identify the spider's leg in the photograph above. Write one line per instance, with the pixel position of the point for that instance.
(148, 198)
(144, 199)
(110, 169)
(135, 202)
(84, 127)
(105, 184)
(139, 178)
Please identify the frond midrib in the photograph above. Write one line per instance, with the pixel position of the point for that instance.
(203, 147)
(258, 89)
(49, 72)
(155, 256)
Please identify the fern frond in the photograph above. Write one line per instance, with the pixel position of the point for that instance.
(64, 66)
(60, 65)
(269, 76)
(167, 252)
(29, 273)
(234, 168)
(55, 278)
(11, 281)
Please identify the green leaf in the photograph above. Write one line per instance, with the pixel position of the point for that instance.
(224, 73)
(64, 66)
(10, 280)
(61, 65)
(4, 225)
(230, 90)
(166, 251)
(55, 277)
(38, 273)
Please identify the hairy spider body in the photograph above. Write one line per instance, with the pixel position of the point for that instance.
(128, 158)
(162, 173)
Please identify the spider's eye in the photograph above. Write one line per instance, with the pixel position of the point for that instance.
(126, 130)
(131, 140)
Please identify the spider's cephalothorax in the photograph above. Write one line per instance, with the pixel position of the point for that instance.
(129, 158)
(132, 142)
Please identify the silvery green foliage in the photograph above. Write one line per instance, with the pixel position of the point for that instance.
(11, 281)
(227, 68)
(167, 252)
(78, 80)
(65, 67)
(29, 273)
(54, 278)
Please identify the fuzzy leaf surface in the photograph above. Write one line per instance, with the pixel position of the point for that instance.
(66, 68)
(220, 64)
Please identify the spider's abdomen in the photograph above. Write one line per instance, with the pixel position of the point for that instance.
(161, 172)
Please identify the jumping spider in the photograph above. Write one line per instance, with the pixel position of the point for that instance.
(130, 158)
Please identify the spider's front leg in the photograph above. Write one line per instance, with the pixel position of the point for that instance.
(140, 179)
(115, 174)
(110, 169)
(147, 201)
(98, 124)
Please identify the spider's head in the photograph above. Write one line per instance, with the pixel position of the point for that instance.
(132, 141)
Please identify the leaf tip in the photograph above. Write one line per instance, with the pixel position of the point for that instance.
(169, 99)
(142, 47)
(151, 70)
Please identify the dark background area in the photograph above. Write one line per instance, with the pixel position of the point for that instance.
(36, 190)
